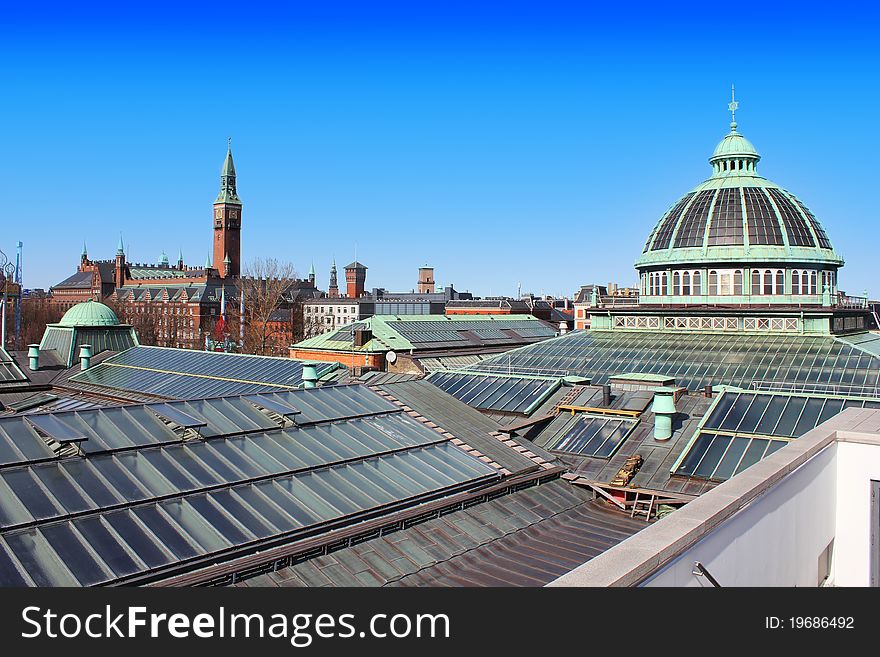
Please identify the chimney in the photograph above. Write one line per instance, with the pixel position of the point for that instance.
(606, 395)
(563, 327)
(34, 357)
(707, 391)
(664, 410)
(310, 375)
(85, 356)
(362, 337)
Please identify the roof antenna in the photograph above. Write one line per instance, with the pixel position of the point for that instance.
(732, 106)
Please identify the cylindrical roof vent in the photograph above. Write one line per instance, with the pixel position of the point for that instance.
(310, 375)
(664, 410)
(85, 356)
(34, 357)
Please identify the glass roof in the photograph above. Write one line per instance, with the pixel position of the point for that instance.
(694, 360)
(9, 370)
(744, 427)
(585, 434)
(187, 374)
(513, 395)
(154, 500)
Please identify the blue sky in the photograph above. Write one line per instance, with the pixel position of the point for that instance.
(516, 143)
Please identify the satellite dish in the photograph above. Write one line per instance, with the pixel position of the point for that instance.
(391, 357)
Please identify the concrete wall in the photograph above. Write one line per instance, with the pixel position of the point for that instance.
(857, 465)
(774, 541)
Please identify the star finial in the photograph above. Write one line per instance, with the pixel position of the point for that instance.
(732, 106)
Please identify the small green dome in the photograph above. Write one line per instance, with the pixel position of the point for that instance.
(89, 313)
(734, 144)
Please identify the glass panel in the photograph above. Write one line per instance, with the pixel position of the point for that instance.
(31, 495)
(184, 458)
(184, 515)
(712, 457)
(728, 464)
(325, 503)
(243, 514)
(832, 407)
(140, 469)
(117, 478)
(76, 557)
(218, 520)
(87, 479)
(205, 453)
(790, 416)
(137, 539)
(9, 574)
(166, 468)
(753, 415)
(774, 446)
(105, 544)
(62, 488)
(265, 508)
(754, 453)
(289, 504)
(809, 416)
(39, 560)
(250, 449)
(720, 410)
(180, 545)
(771, 416)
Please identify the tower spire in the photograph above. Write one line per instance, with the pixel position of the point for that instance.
(732, 106)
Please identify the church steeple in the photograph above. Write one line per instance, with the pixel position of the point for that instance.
(333, 289)
(312, 274)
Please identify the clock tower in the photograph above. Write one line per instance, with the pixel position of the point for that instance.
(227, 222)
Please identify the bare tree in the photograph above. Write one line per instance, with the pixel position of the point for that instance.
(35, 315)
(264, 285)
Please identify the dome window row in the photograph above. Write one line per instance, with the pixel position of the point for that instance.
(731, 282)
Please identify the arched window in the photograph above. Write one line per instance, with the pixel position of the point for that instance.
(686, 283)
(676, 284)
(713, 282)
(813, 283)
(664, 284)
(697, 286)
(780, 281)
(768, 282)
(738, 282)
(795, 282)
(756, 282)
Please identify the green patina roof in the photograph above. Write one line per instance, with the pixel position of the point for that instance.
(228, 193)
(387, 331)
(89, 313)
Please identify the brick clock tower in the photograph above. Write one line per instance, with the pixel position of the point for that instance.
(227, 222)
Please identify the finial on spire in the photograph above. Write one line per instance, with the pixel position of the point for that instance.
(229, 143)
(732, 106)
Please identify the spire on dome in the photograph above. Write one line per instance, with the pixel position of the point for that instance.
(732, 106)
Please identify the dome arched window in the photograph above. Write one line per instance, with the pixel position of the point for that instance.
(813, 283)
(697, 284)
(686, 283)
(795, 282)
(768, 282)
(713, 282)
(780, 282)
(756, 282)
(738, 282)
(676, 284)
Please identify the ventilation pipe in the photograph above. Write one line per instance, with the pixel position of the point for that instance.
(85, 356)
(310, 375)
(664, 410)
(606, 395)
(34, 356)
(707, 391)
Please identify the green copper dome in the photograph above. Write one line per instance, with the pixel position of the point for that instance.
(737, 216)
(89, 313)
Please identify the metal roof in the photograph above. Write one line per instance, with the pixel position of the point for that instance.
(524, 538)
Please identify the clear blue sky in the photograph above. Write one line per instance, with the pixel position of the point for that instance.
(533, 143)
